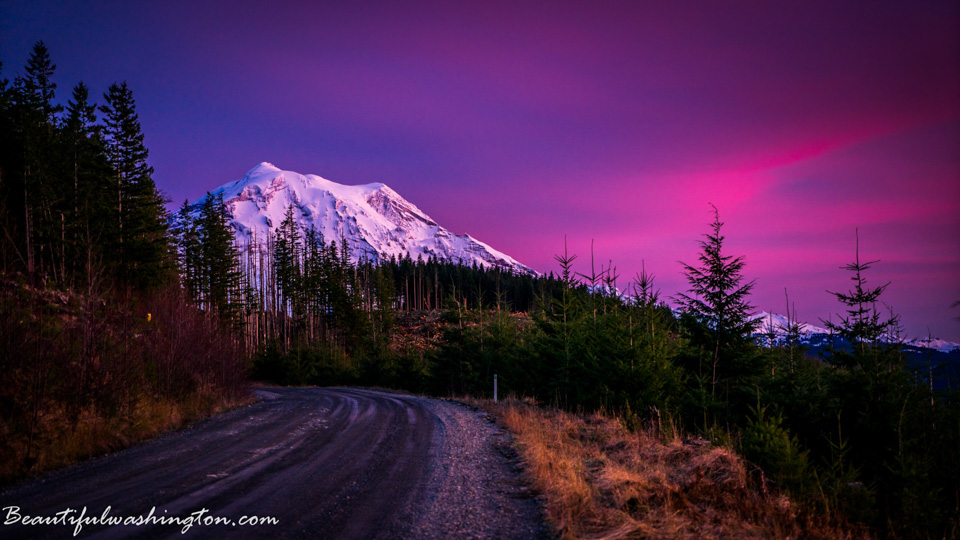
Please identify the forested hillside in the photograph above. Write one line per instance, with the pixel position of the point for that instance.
(100, 346)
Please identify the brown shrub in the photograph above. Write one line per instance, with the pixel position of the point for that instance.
(80, 376)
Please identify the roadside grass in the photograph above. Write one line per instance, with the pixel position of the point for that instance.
(599, 479)
(61, 441)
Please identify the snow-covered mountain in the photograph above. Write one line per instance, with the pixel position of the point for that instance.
(376, 222)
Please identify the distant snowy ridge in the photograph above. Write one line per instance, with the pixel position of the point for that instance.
(376, 222)
(778, 324)
(934, 343)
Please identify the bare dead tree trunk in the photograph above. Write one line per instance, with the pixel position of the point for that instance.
(26, 219)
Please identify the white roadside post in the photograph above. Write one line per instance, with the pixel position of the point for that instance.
(494, 387)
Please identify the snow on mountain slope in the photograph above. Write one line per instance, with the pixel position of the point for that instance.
(376, 222)
(934, 343)
(779, 323)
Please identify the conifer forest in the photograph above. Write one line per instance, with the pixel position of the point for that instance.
(117, 314)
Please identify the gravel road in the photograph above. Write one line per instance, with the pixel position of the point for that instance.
(320, 462)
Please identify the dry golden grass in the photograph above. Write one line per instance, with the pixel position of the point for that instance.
(61, 441)
(599, 480)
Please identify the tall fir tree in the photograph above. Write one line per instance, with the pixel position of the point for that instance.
(315, 277)
(186, 235)
(863, 327)
(35, 180)
(4, 92)
(717, 301)
(38, 86)
(287, 256)
(86, 167)
(140, 245)
(218, 259)
(81, 118)
(8, 141)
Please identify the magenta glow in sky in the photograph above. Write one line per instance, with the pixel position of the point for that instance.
(524, 122)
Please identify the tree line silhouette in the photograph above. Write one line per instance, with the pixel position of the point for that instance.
(100, 346)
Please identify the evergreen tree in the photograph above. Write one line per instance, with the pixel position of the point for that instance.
(33, 187)
(8, 143)
(4, 92)
(218, 259)
(81, 117)
(383, 308)
(140, 244)
(862, 326)
(288, 248)
(887, 416)
(718, 301)
(187, 238)
(38, 86)
(568, 306)
(317, 271)
(85, 165)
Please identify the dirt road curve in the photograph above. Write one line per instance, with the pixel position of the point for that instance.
(322, 463)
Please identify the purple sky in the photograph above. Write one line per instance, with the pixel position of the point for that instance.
(522, 123)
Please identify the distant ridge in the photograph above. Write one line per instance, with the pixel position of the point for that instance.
(779, 323)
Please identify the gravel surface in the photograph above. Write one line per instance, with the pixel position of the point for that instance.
(476, 488)
(322, 462)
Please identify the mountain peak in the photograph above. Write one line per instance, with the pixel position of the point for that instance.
(377, 223)
(262, 167)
